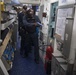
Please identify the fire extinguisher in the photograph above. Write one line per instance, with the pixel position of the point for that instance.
(48, 58)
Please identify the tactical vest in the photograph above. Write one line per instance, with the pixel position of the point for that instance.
(31, 29)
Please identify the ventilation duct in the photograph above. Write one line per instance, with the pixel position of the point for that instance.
(30, 1)
(15, 2)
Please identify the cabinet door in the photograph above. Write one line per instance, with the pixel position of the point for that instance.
(67, 37)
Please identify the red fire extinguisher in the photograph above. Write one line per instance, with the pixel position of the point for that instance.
(48, 58)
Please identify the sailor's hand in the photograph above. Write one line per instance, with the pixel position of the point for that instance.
(35, 24)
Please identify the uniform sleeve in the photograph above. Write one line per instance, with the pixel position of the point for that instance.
(26, 23)
(38, 21)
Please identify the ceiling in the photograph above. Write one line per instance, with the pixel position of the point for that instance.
(30, 1)
(34, 2)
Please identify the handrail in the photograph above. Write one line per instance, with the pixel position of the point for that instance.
(5, 42)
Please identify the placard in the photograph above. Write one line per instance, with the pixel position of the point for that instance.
(62, 14)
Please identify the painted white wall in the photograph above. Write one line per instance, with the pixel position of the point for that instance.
(42, 2)
(45, 21)
(47, 8)
(52, 1)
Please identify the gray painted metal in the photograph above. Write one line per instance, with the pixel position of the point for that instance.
(59, 67)
(67, 37)
(40, 12)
